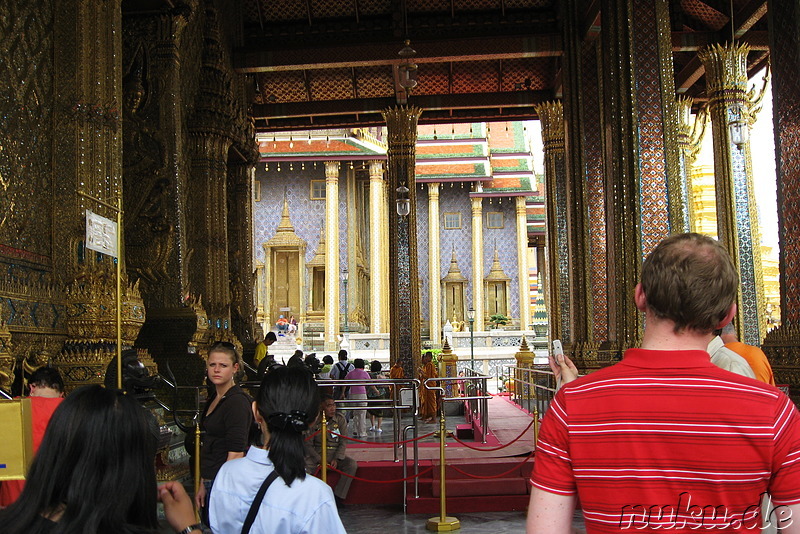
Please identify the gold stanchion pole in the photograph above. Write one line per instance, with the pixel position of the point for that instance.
(442, 523)
(535, 425)
(324, 452)
(197, 479)
(119, 292)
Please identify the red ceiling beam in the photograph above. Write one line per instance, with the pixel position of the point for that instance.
(249, 60)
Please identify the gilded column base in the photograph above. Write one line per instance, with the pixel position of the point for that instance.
(590, 357)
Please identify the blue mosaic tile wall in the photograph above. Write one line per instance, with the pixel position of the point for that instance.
(454, 198)
(505, 239)
(422, 250)
(308, 218)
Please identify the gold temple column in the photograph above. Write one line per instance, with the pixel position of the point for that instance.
(331, 254)
(404, 341)
(522, 264)
(377, 247)
(641, 150)
(551, 116)
(477, 263)
(690, 137)
(737, 215)
(434, 266)
(782, 344)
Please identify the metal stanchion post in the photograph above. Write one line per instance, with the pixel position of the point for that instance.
(535, 425)
(442, 523)
(324, 452)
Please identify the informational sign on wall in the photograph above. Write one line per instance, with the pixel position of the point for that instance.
(101, 234)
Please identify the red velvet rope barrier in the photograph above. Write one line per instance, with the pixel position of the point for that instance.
(467, 445)
(412, 477)
(314, 434)
(493, 476)
(389, 443)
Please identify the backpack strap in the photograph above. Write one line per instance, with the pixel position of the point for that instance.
(253, 512)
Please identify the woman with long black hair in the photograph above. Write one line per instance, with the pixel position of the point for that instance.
(94, 472)
(268, 491)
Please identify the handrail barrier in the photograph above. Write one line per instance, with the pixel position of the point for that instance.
(477, 397)
(534, 388)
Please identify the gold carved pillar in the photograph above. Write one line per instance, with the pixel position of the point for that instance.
(782, 344)
(434, 265)
(377, 247)
(240, 246)
(208, 208)
(477, 263)
(331, 253)
(551, 116)
(640, 126)
(690, 137)
(522, 264)
(737, 215)
(211, 133)
(404, 341)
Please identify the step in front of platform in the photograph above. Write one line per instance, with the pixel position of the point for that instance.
(460, 505)
(473, 487)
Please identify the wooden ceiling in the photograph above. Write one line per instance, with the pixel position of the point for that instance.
(335, 63)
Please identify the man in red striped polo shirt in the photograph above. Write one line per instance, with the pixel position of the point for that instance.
(665, 440)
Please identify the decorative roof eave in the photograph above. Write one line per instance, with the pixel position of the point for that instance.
(443, 178)
(496, 273)
(349, 146)
(319, 258)
(450, 141)
(284, 235)
(454, 274)
(502, 193)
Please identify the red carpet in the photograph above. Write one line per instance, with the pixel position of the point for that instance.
(476, 480)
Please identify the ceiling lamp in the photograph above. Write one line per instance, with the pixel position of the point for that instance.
(407, 69)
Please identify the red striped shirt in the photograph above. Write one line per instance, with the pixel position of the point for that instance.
(665, 440)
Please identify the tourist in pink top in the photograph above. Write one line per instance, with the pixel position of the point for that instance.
(359, 393)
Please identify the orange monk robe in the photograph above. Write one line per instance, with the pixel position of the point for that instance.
(427, 398)
(396, 372)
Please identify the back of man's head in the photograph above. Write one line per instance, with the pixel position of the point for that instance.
(342, 355)
(690, 280)
(47, 377)
(270, 338)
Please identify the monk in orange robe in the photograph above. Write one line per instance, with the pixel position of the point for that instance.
(428, 405)
(396, 372)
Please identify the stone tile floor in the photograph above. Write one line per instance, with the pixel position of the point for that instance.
(391, 520)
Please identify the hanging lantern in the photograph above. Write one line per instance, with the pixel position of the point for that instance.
(403, 202)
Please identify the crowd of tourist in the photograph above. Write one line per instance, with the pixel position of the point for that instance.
(687, 433)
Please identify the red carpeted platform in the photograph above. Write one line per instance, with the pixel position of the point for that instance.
(492, 479)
